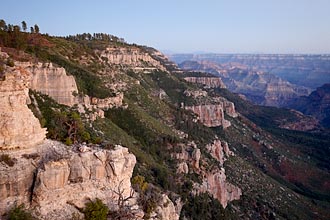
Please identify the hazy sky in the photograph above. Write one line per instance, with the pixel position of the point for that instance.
(222, 26)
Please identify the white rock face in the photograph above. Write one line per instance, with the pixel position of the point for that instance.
(165, 210)
(69, 177)
(219, 188)
(52, 81)
(19, 127)
(134, 57)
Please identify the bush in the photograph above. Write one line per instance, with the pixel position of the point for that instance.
(96, 210)
(7, 160)
(20, 213)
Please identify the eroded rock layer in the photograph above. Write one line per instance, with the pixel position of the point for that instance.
(52, 172)
(52, 81)
(19, 127)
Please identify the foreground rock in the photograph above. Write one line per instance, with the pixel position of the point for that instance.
(53, 172)
(19, 127)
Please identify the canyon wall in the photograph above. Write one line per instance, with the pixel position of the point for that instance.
(19, 127)
(52, 81)
(212, 115)
(133, 57)
(208, 82)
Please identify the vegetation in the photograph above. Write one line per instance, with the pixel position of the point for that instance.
(96, 210)
(5, 158)
(203, 206)
(20, 213)
(63, 123)
(271, 164)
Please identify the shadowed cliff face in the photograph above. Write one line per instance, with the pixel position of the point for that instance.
(317, 104)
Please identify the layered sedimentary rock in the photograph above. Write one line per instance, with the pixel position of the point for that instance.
(19, 127)
(52, 81)
(208, 82)
(219, 188)
(133, 57)
(260, 87)
(210, 115)
(52, 172)
(219, 150)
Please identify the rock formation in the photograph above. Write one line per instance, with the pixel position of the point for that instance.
(317, 104)
(165, 210)
(219, 188)
(260, 87)
(219, 150)
(52, 172)
(52, 81)
(19, 127)
(133, 57)
(208, 82)
(210, 115)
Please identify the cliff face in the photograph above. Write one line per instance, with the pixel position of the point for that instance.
(52, 81)
(213, 115)
(208, 82)
(219, 188)
(19, 127)
(214, 182)
(317, 104)
(52, 172)
(133, 57)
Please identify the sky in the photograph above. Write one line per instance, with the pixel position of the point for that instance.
(187, 26)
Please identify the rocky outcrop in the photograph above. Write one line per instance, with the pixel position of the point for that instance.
(165, 210)
(219, 188)
(19, 127)
(208, 82)
(210, 115)
(219, 150)
(133, 57)
(52, 172)
(52, 81)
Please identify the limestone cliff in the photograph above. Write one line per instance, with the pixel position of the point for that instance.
(53, 172)
(19, 127)
(52, 81)
(133, 57)
(216, 184)
(208, 82)
(212, 115)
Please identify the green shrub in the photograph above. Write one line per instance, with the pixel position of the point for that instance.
(7, 160)
(10, 63)
(96, 210)
(68, 141)
(20, 213)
